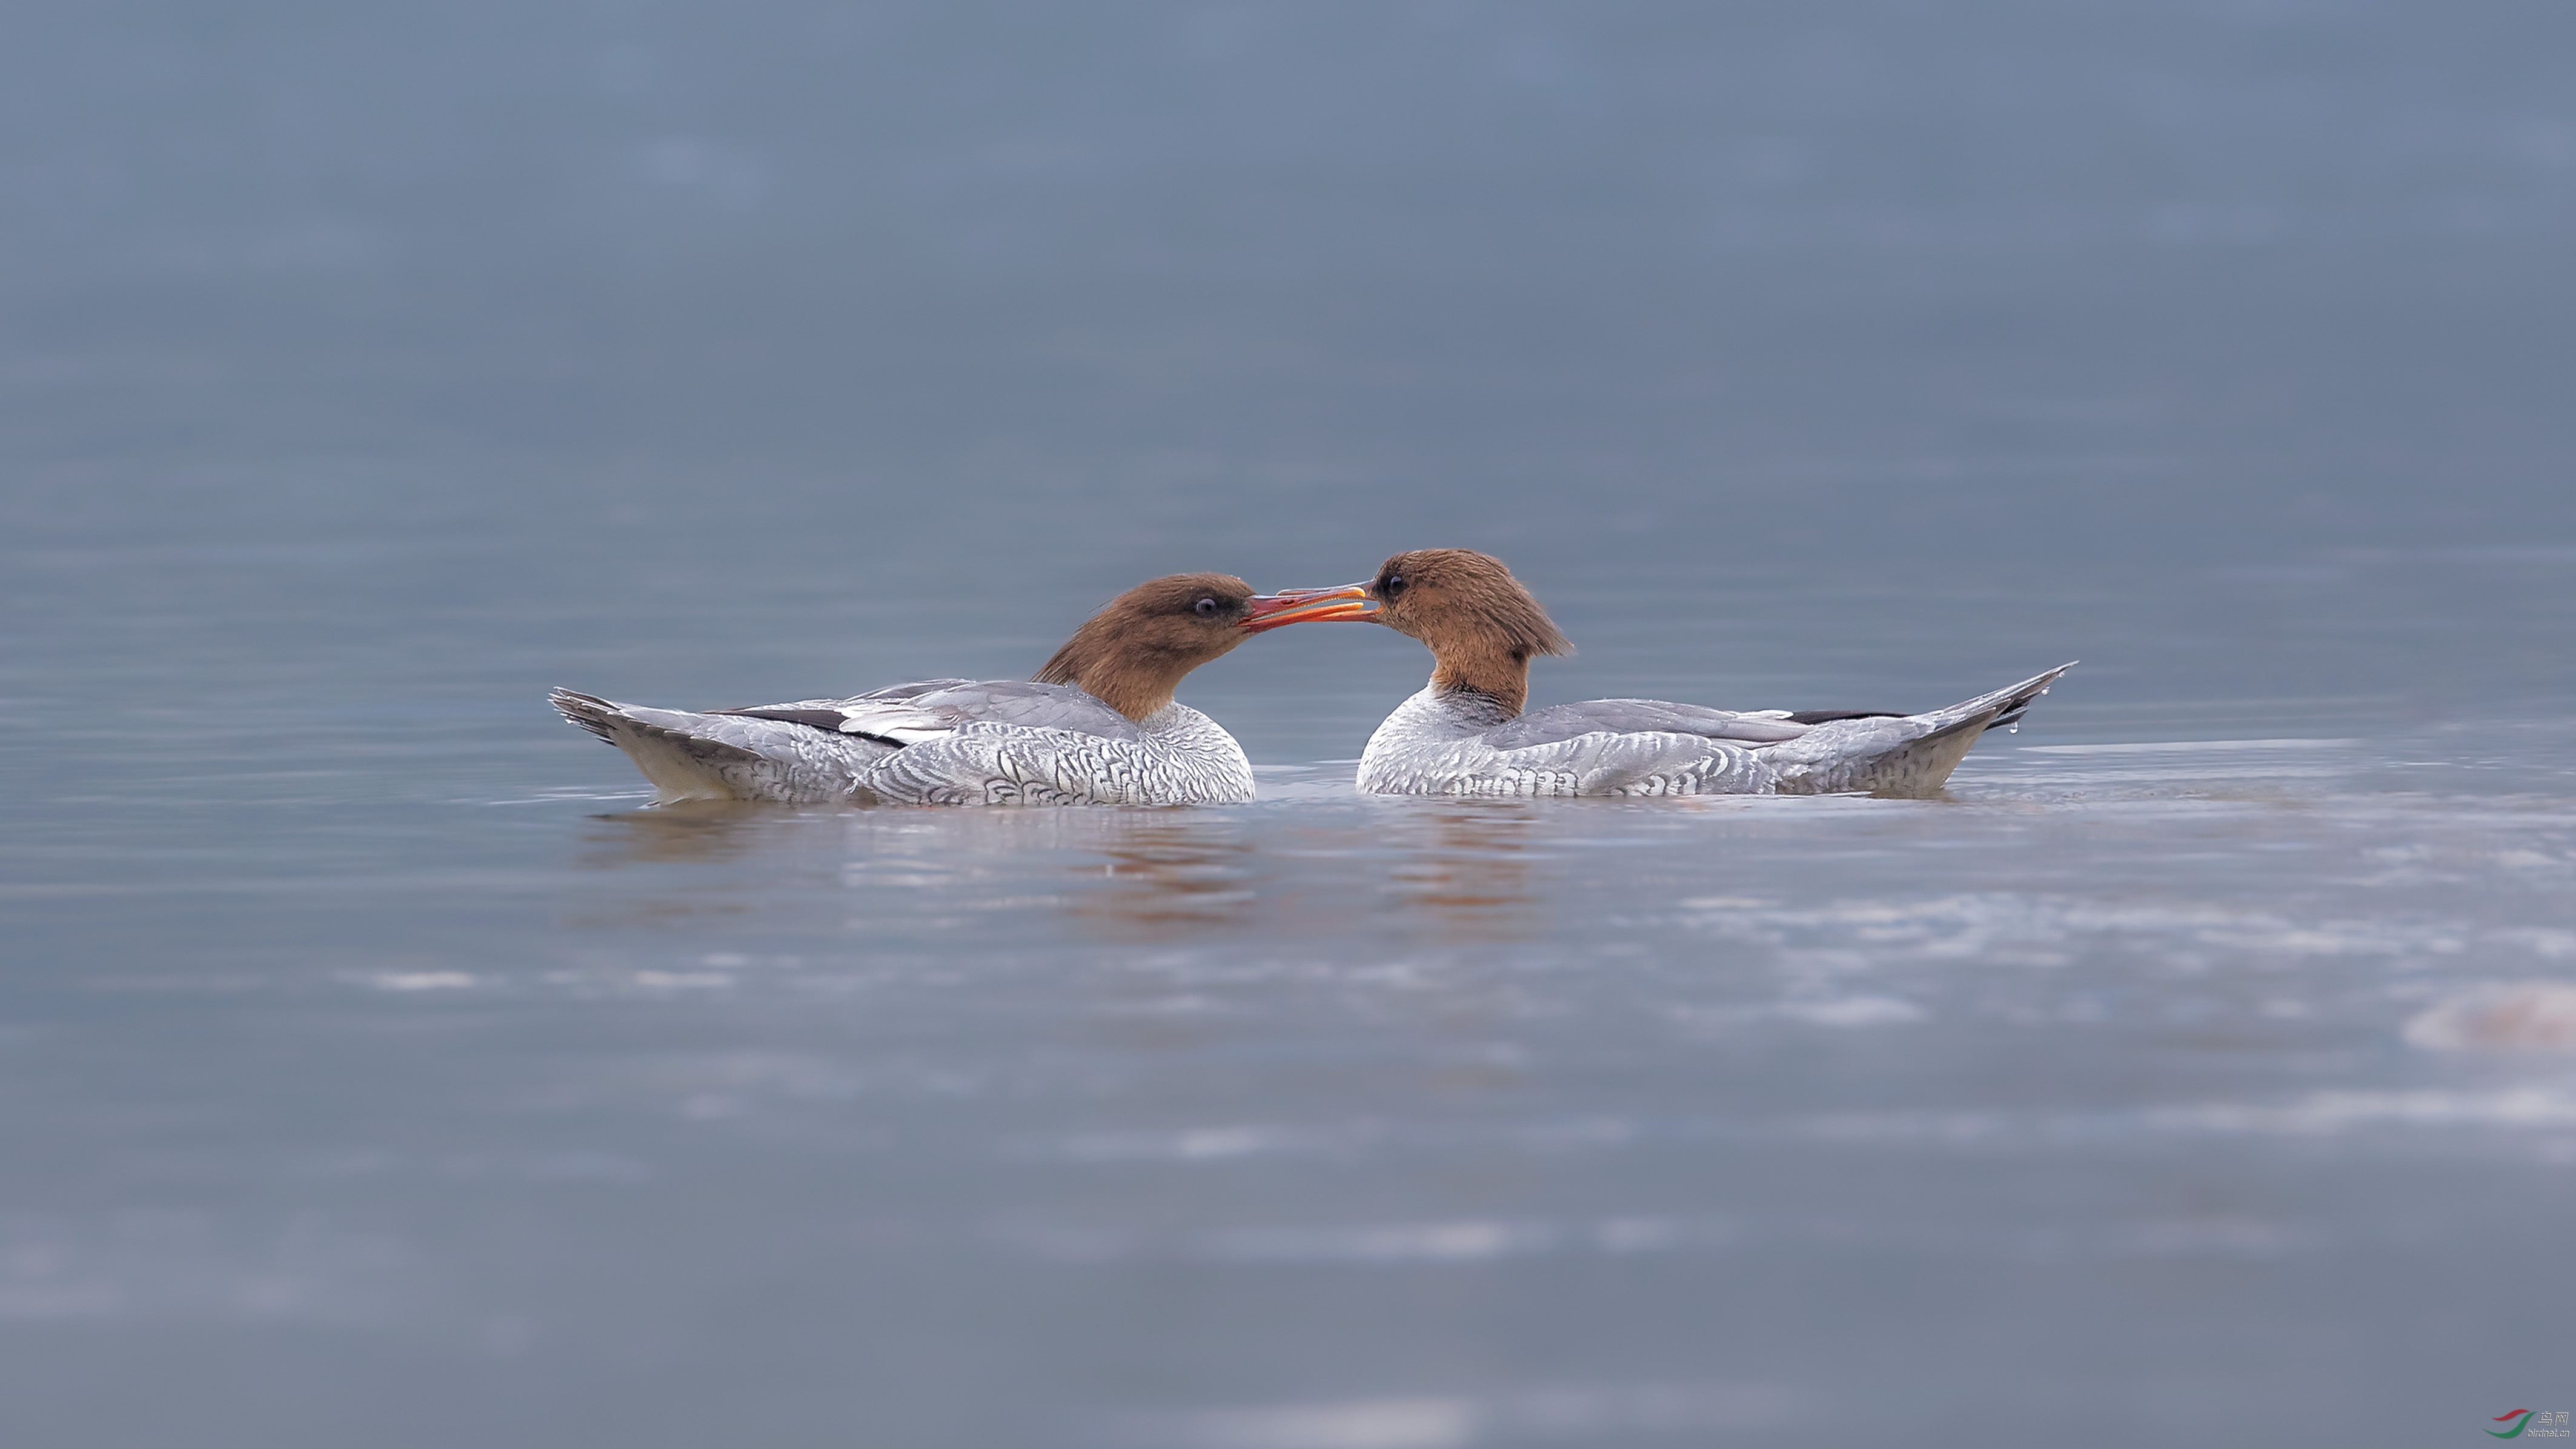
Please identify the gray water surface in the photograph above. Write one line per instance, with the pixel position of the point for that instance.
(376, 1068)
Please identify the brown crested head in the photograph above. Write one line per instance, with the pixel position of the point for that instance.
(1136, 650)
(1482, 626)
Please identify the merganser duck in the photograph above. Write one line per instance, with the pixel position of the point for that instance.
(1098, 725)
(1464, 734)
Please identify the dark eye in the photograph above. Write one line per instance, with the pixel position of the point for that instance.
(1390, 586)
(1206, 608)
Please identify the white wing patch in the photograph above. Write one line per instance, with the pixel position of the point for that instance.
(903, 722)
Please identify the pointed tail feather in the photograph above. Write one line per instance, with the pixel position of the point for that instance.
(1921, 766)
(586, 710)
(1909, 756)
(2009, 704)
(704, 757)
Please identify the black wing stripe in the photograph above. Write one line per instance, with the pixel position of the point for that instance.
(1828, 716)
(821, 719)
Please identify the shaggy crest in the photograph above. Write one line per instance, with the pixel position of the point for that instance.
(1482, 626)
(1136, 650)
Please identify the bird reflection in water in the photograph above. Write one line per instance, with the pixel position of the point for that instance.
(1125, 874)
(1164, 875)
(731, 835)
(1452, 870)
(696, 830)
(1466, 867)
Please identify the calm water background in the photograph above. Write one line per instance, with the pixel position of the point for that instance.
(374, 1071)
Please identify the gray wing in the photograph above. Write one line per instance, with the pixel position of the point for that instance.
(906, 714)
(1031, 706)
(692, 756)
(1561, 722)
